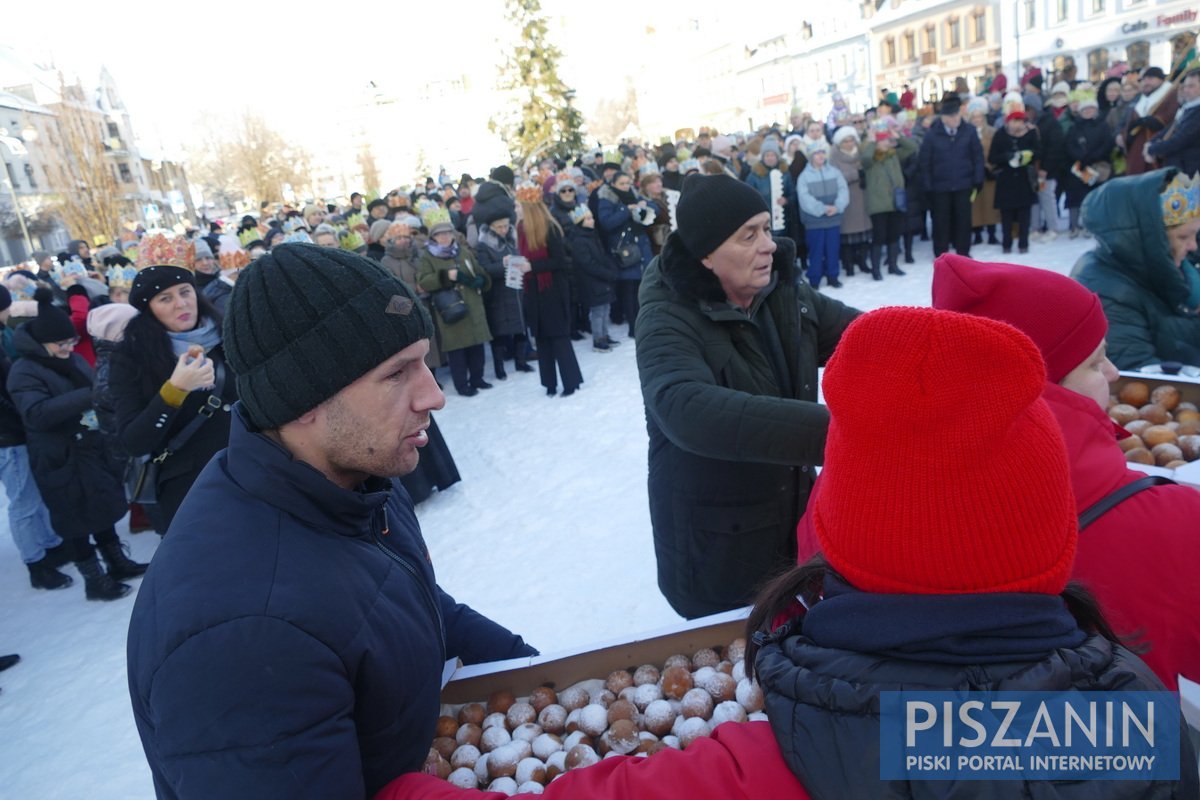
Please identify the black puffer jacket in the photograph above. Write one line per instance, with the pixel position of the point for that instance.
(70, 461)
(12, 430)
(595, 269)
(823, 704)
(735, 427)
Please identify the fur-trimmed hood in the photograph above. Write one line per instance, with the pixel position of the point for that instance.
(684, 276)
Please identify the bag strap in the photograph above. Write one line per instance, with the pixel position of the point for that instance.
(211, 406)
(1112, 499)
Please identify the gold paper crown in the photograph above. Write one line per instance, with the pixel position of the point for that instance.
(529, 194)
(235, 260)
(1181, 200)
(156, 250)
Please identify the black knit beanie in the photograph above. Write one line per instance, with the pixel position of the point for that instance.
(306, 321)
(51, 323)
(5, 298)
(711, 208)
(152, 280)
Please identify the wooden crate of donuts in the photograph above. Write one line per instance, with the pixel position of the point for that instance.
(634, 699)
(1163, 414)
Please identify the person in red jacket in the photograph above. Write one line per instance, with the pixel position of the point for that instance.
(1139, 557)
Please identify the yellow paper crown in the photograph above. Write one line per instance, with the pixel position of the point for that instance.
(1181, 200)
(156, 250)
(435, 216)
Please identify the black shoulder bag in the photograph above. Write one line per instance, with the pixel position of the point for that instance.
(141, 473)
(1111, 500)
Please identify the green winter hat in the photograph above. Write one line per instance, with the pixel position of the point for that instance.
(306, 321)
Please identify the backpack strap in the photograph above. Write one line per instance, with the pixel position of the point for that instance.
(1112, 499)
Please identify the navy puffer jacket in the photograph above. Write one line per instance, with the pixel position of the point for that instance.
(289, 638)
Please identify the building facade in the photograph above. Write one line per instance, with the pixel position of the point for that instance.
(26, 199)
(927, 44)
(1083, 39)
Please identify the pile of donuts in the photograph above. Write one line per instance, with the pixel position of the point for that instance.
(1165, 429)
(517, 745)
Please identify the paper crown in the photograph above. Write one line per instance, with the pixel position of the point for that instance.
(249, 235)
(424, 206)
(121, 277)
(578, 213)
(399, 229)
(529, 194)
(1181, 200)
(298, 237)
(234, 261)
(156, 250)
(351, 240)
(355, 222)
(435, 216)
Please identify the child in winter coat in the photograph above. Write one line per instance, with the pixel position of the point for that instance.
(823, 196)
(759, 177)
(597, 273)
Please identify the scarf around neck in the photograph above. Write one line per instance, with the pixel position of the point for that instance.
(947, 629)
(205, 334)
(437, 251)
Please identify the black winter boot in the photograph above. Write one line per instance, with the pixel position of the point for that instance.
(57, 556)
(120, 566)
(498, 354)
(43, 575)
(98, 584)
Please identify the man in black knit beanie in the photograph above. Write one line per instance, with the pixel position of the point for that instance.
(291, 637)
(729, 342)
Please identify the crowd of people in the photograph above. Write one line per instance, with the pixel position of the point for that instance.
(129, 372)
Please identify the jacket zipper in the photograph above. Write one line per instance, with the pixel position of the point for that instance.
(416, 576)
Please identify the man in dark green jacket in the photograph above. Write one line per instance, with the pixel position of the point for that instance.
(728, 349)
(1138, 269)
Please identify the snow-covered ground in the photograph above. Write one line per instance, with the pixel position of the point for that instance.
(548, 532)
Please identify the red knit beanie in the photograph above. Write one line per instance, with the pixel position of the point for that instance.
(945, 472)
(1065, 320)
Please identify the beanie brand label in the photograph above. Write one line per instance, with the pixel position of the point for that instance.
(1071, 735)
(399, 305)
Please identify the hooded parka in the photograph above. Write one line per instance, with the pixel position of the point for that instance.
(1140, 285)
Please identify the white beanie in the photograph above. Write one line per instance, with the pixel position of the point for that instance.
(1062, 87)
(843, 133)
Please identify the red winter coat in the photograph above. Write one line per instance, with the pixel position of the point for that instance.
(79, 307)
(737, 761)
(1139, 559)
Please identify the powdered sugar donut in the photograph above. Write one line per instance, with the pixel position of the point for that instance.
(750, 695)
(553, 718)
(646, 694)
(494, 738)
(659, 717)
(646, 673)
(728, 711)
(463, 778)
(691, 730)
(465, 756)
(697, 703)
(546, 745)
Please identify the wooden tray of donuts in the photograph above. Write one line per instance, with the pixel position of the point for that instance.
(513, 726)
(1163, 414)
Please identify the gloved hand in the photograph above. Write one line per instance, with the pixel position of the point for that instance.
(478, 282)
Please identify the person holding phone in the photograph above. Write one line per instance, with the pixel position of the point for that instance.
(169, 368)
